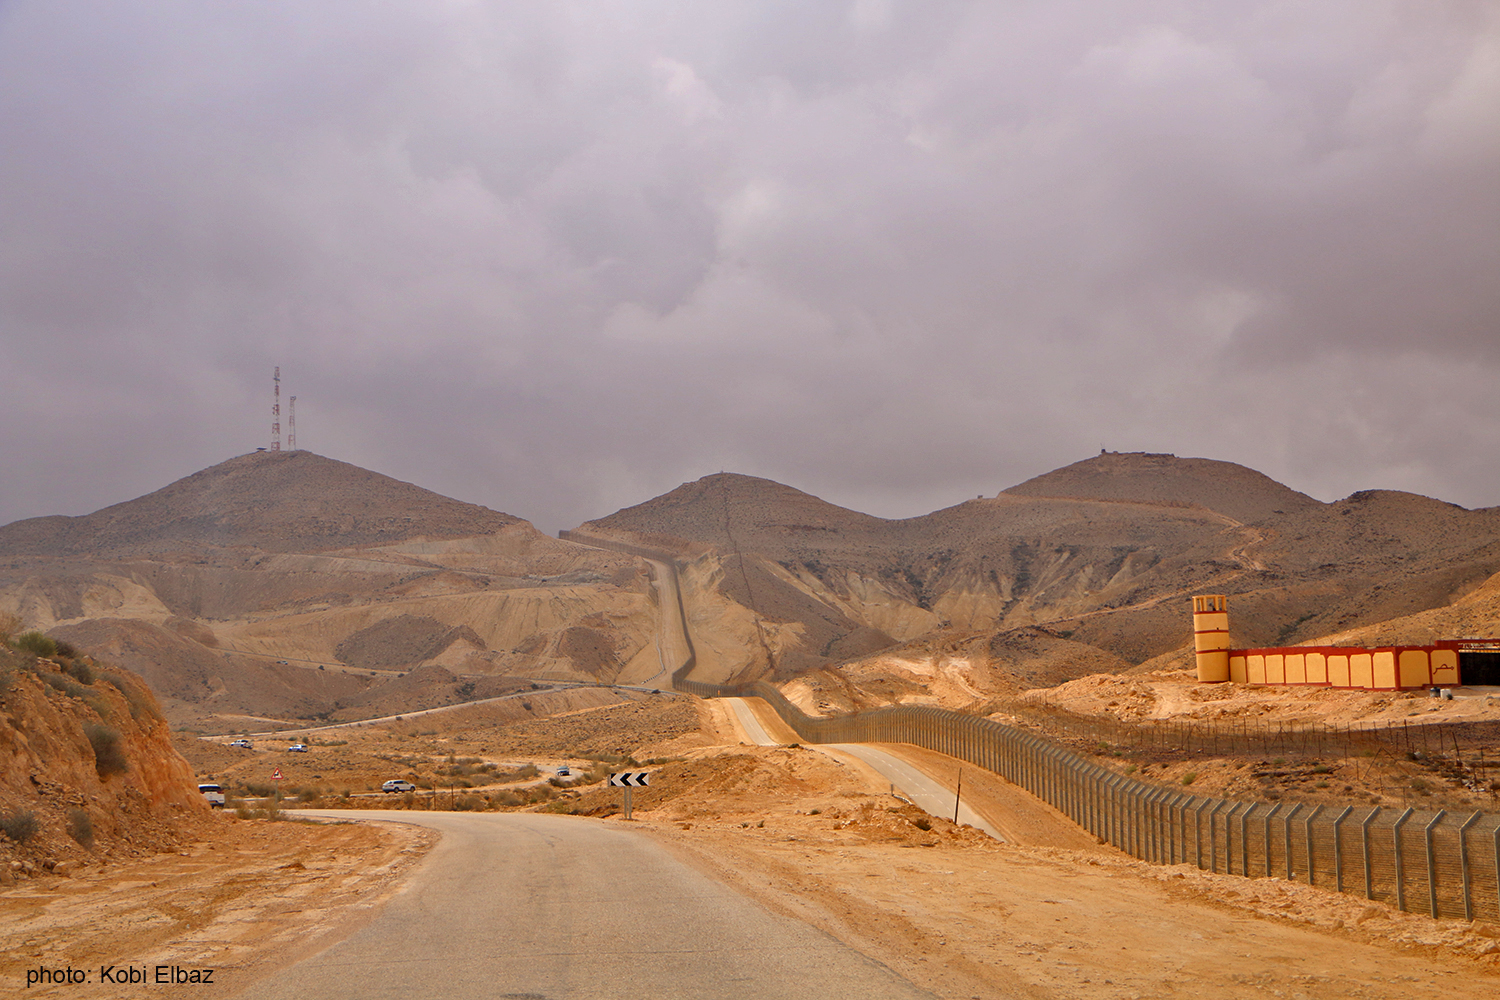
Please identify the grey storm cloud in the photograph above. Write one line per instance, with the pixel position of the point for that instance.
(557, 258)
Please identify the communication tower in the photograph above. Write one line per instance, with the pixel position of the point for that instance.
(291, 424)
(276, 410)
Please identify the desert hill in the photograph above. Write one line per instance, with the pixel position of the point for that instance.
(287, 501)
(291, 586)
(1102, 555)
(1230, 489)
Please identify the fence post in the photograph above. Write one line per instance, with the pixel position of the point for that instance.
(1286, 836)
(1198, 832)
(1274, 810)
(1307, 835)
(1400, 868)
(1364, 839)
(1432, 906)
(1176, 828)
(1229, 838)
(1213, 840)
(1463, 862)
(1245, 840)
(1338, 850)
(1497, 867)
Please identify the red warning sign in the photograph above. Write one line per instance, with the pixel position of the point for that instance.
(276, 774)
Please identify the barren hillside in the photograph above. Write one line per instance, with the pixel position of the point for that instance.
(1102, 554)
(287, 586)
(87, 767)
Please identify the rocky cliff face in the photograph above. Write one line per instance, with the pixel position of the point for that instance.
(87, 768)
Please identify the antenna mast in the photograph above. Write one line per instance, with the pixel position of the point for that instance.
(291, 425)
(276, 411)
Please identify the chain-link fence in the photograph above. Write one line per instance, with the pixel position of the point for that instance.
(1432, 861)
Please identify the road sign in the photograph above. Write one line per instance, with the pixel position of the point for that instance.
(630, 779)
(276, 774)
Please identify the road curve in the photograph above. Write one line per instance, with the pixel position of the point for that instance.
(562, 908)
(926, 792)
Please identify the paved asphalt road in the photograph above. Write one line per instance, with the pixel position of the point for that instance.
(537, 907)
(926, 792)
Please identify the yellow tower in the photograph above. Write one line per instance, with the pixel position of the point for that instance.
(1211, 637)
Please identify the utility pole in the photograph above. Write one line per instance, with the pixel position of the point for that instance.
(291, 425)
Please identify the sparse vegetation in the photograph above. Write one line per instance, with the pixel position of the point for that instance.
(19, 826)
(1190, 777)
(36, 643)
(81, 827)
(109, 757)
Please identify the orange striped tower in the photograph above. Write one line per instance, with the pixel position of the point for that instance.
(1211, 637)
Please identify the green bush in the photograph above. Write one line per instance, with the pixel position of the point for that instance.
(79, 671)
(80, 827)
(109, 757)
(1190, 777)
(20, 826)
(36, 643)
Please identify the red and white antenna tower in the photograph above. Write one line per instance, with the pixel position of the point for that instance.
(276, 411)
(291, 425)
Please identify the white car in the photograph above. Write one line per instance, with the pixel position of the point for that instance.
(213, 794)
(297, 748)
(398, 785)
(242, 744)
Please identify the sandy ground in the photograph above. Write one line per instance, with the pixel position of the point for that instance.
(815, 835)
(256, 897)
(965, 916)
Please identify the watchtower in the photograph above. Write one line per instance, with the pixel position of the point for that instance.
(1211, 637)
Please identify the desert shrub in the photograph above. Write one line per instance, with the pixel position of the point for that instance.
(65, 649)
(80, 827)
(469, 803)
(79, 671)
(109, 756)
(9, 625)
(506, 798)
(1190, 777)
(139, 706)
(36, 643)
(20, 826)
(65, 684)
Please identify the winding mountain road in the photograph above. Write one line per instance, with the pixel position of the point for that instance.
(542, 907)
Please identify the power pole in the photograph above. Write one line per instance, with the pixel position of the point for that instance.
(291, 425)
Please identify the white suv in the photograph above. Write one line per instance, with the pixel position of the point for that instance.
(398, 785)
(212, 794)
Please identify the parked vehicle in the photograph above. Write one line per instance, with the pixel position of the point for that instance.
(398, 785)
(242, 744)
(213, 794)
(298, 748)
(564, 771)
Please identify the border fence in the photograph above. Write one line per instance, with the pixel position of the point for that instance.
(1433, 861)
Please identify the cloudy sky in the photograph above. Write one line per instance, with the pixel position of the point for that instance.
(558, 258)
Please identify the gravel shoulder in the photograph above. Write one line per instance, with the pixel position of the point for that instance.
(253, 897)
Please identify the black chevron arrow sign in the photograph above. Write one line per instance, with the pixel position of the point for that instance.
(630, 779)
